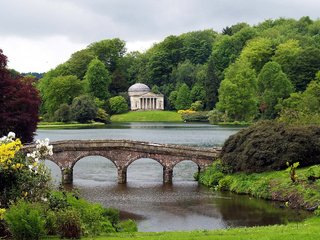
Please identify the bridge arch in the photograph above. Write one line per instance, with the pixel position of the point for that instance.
(140, 164)
(123, 152)
(185, 169)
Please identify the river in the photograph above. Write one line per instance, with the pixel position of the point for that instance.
(184, 205)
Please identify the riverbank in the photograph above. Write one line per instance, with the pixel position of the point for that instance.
(307, 230)
(71, 125)
(147, 116)
(274, 185)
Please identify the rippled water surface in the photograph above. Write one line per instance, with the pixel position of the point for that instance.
(184, 205)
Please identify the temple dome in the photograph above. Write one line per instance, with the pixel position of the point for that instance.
(138, 89)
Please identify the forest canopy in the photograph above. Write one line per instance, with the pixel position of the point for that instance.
(244, 73)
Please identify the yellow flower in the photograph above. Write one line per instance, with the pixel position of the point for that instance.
(2, 212)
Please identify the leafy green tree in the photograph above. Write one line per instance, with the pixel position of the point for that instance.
(197, 93)
(273, 85)
(197, 46)
(305, 67)
(173, 98)
(183, 100)
(79, 62)
(102, 116)
(109, 51)
(61, 90)
(118, 105)
(237, 92)
(83, 109)
(98, 79)
(285, 54)
(184, 73)
(257, 52)
(155, 89)
(63, 114)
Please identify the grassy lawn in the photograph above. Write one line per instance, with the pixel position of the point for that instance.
(72, 125)
(147, 116)
(308, 230)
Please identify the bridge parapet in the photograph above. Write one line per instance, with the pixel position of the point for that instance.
(123, 152)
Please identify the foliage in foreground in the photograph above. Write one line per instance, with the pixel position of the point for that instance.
(276, 185)
(269, 146)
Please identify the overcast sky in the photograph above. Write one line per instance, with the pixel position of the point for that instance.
(37, 35)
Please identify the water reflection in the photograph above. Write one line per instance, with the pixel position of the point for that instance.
(184, 205)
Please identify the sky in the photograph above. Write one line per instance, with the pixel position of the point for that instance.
(37, 35)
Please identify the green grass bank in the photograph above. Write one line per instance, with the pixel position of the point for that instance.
(71, 125)
(147, 116)
(273, 185)
(307, 230)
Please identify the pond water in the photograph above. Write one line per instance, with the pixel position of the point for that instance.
(184, 205)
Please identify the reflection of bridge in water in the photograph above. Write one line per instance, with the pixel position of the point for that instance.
(123, 152)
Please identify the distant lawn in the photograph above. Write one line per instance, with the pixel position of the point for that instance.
(147, 116)
(71, 125)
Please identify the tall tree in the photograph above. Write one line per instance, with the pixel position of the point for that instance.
(19, 102)
(237, 92)
(61, 90)
(183, 100)
(273, 85)
(98, 79)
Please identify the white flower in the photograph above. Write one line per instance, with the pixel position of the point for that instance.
(11, 135)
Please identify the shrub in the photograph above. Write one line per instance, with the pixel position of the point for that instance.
(113, 215)
(83, 109)
(118, 105)
(269, 146)
(197, 106)
(69, 224)
(195, 117)
(102, 116)
(25, 221)
(212, 175)
(63, 114)
(127, 226)
(51, 222)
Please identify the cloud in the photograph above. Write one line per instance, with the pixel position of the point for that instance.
(80, 22)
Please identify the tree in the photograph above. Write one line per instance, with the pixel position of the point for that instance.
(98, 79)
(184, 73)
(63, 114)
(257, 52)
(61, 90)
(273, 85)
(172, 99)
(285, 54)
(19, 102)
(79, 62)
(118, 105)
(237, 92)
(109, 51)
(197, 93)
(305, 67)
(83, 109)
(183, 100)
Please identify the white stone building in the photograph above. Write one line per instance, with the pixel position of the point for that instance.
(141, 98)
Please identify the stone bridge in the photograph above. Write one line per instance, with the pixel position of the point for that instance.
(123, 152)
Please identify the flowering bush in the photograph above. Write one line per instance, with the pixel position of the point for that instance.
(22, 176)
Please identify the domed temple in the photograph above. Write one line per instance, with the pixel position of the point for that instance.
(141, 98)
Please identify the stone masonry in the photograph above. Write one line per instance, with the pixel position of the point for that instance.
(123, 152)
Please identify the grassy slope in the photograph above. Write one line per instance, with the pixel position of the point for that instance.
(308, 230)
(147, 116)
(275, 185)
